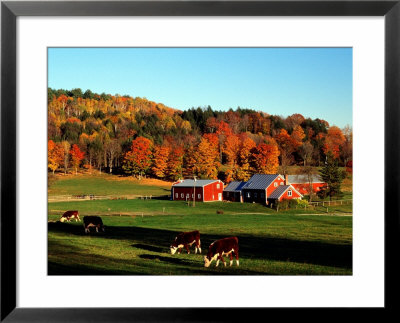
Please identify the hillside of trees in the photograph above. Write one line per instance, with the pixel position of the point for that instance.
(138, 137)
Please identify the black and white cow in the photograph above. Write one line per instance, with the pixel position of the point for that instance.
(220, 248)
(68, 215)
(92, 221)
(186, 239)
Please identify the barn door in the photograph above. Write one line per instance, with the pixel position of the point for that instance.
(219, 196)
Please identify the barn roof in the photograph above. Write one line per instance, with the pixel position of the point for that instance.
(280, 190)
(303, 179)
(234, 187)
(260, 181)
(197, 183)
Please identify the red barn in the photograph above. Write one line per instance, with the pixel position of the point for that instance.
(267, 188)
(302, 183)
(205, 190)
(287, 192)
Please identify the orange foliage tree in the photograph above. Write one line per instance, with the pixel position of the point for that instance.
(207, 157)
(286, 147)
(265, 158)
(334, 140)
(298, 136)
(244, 171)
(55, 155)
(76, 156)
(160, 161)
(137, 161)
(175, 163)
(231, 151)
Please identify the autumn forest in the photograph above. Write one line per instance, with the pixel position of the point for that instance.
(137, 137)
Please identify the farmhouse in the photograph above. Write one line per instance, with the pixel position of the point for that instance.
(266, 188)
(233, 192)
(284, 192)
(204, 190)
(302, 183)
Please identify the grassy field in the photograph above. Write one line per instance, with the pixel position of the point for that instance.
(139, 232)
(105, 184)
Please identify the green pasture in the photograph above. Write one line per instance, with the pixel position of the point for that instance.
(136, 242)
(105, 184)
(312, 241)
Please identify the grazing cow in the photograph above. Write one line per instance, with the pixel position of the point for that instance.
(186, 239)
(67, 216)
(220, 248)
(92, 221)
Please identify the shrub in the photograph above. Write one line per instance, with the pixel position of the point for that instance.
(293, 204)
(284, 204)
(220, 212)
(302, 203)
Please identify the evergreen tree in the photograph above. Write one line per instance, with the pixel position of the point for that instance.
(331, 175)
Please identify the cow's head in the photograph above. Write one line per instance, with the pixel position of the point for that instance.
(207, 262)
(173, 249)
(174, 246)
(62, 219)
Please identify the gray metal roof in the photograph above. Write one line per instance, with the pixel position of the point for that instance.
(197, 183)
(234, 187)
(278, 192)
(260, 181)
(303, 179)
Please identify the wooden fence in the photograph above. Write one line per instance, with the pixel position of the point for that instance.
(331, 203)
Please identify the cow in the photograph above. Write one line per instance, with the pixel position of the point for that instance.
(67, 216)
(220, 248)
(186, 239)
(92, 221)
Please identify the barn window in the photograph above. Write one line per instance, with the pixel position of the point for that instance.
(182, 195)
(199, 196)
(276, 184)
(289, 193)
(262, 195)
(217, 185)
(248, 194)
(176, 195)
(192, 195)
(281, 183)
(187, 195)
(255, 195)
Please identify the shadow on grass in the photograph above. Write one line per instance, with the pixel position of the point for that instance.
(175, 261)
(149, 248)
(251, 247)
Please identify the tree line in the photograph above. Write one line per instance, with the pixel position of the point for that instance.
(138, 137)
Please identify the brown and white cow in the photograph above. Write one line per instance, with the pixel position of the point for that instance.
(220, 248)
(92, 221)
(67, 216)
(186, 239)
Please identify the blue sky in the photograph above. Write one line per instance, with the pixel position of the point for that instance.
(315, 82)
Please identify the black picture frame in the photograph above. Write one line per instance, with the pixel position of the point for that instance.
(10, 10)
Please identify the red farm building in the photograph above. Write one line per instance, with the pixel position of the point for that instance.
(233, 192)
(303, 183)
(205, 190)
(268, 188)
